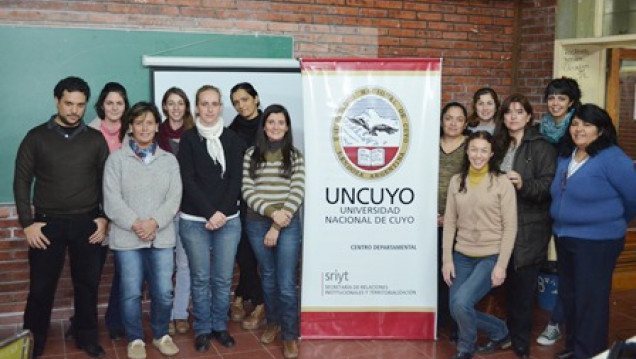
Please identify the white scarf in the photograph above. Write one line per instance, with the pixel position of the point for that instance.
(213, 143)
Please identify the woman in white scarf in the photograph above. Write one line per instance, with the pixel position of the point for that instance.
(210, 157)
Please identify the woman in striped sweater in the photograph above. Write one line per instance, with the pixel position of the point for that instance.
(274, 188)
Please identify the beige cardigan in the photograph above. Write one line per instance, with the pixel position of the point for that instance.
(484, 218)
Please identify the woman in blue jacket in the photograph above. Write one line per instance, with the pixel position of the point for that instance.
(593, 200)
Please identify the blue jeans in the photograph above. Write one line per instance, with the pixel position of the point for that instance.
(278, 273)
(471, 283)
(159, 265)
(112, 317)
(182, 279)
(210, 305)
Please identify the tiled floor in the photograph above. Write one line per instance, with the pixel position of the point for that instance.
(622, 325)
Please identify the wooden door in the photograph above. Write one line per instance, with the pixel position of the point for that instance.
(621, 105)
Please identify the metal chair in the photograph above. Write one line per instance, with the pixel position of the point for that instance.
(17, 346)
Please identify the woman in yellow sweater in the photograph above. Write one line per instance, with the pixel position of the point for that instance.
(481, 218)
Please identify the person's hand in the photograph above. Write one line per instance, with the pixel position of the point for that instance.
(448, 272)
(146, 230)
(440, 220)
(281, 218)
(217, 221)
(515, 178)
(100, 233)
(498, 276)
(34, 236)
(271, 237)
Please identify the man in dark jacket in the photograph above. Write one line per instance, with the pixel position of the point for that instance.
(66, 159)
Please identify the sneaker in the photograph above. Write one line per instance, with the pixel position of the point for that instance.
(550, 335)
(237, 312)
(137, 349)
(165, 345)
(256, 318)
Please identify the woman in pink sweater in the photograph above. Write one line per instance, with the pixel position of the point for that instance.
(481, 219)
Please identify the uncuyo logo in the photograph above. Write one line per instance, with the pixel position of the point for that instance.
(370, 133)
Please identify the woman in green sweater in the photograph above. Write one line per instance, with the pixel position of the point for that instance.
(452, 148)
(481, 219)
(274, 188)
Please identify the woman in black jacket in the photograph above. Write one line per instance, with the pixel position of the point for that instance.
(529, 162)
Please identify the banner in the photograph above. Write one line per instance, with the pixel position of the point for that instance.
(370, 236)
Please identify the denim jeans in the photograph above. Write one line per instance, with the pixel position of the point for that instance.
(210, 305)
(278, 273)
(159, 264)
(471, 283)
(112, 317)
(182, 279)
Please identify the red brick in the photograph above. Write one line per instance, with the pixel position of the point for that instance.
(455, 18)
(389, 4)
(373, 12)
(402, 14)
(455, 35)
(417, 6)
(443, 8)
(429, 16)
(361, 3)
(443, 26)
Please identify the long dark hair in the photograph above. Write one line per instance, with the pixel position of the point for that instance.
(502, 135)
(188, 120)
(598, 117)
(473, 120)
(248, 88)
(115, 87)
(263, 144)
(493, 162)
(445, 109)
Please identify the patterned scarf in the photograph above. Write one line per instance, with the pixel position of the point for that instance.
(146, 155)
(552, 131)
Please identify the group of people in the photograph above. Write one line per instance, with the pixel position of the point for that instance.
(142, 187)
(505, 188)
(159, 193)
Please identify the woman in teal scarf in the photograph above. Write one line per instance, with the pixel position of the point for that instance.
(563, 97)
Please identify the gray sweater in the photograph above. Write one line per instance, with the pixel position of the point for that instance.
(134, 191)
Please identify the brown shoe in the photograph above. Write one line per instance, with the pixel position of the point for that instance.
(256, 318)
(181, 326)
(270, 333)
(237, 312)
(171, 328)
(290, 349)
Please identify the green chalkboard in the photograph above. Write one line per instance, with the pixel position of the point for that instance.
(34, 59)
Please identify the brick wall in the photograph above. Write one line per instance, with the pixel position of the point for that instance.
(536, 51)
(503, 44)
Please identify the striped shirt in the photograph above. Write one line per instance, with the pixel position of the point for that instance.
(270, 191)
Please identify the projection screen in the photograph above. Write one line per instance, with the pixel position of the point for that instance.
(275, 80)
